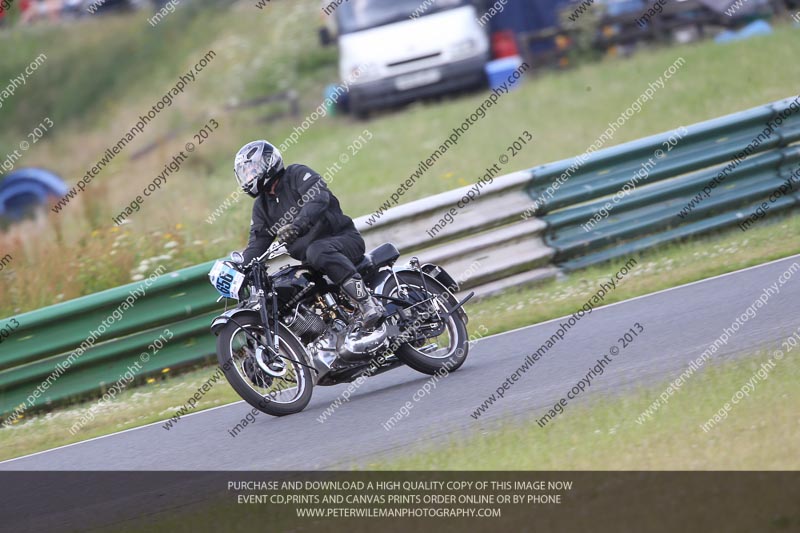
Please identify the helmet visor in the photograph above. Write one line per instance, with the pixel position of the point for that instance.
(248, 171)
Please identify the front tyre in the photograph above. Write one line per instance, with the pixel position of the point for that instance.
(447, 347)
(285, 388)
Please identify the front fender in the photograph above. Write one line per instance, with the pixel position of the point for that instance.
(219, 322)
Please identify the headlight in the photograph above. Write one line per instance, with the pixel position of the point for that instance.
(362, 72)
(464, 48)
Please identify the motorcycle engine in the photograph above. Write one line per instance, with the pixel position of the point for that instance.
(305, 323)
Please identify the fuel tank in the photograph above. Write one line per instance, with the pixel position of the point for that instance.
(292, 280)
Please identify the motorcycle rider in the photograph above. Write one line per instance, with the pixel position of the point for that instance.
(294, 205)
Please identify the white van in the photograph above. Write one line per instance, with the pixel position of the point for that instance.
(396, 51)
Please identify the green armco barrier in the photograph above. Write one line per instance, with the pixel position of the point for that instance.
(660, 216)
(636, 217)
(703, 226)
(588, 186)
(104, 365)
(185, 303)
(704, 145)
(53, 330)
(648, 214)
(639, 150)
(181, 300)
(668, 189)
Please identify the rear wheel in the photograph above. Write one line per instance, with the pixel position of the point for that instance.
(440, 344)
(281, 386)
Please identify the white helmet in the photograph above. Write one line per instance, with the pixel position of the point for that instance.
(256, 163)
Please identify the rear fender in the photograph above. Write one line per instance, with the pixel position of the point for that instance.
(440, 275)
(430, 280)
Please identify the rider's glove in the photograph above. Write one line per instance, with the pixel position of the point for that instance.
(289, 233)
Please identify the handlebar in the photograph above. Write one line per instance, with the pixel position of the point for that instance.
(270, 253)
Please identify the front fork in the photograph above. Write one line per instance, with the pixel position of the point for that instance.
(271, 333)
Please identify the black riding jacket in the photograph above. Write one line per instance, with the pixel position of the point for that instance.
(297, 196)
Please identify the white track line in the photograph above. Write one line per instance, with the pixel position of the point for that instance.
(480, 341)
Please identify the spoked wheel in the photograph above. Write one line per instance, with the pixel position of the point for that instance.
(277, 386)
(440, 343)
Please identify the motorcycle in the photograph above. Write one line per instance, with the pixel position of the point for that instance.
(294, 329)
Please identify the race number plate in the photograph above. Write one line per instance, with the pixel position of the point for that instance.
(226, 280)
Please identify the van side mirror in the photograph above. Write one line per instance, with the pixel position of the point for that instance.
(325, 37)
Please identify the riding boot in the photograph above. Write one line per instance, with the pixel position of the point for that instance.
(371, 310)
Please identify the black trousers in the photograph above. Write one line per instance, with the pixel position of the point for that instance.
(336, 255)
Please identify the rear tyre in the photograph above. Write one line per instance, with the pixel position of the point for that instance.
(284, 389)
(446, 351)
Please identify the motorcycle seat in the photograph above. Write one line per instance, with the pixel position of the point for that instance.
(365, 264)
(384, 255)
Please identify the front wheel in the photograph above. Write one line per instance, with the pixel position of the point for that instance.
(445, 348)
(284, 387)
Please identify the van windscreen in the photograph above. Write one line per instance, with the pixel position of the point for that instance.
(358, 15)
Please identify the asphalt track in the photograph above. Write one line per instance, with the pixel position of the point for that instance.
(679, 324)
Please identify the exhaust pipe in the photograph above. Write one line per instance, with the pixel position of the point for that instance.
(353, 346)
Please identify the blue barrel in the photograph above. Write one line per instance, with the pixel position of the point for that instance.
(499, 70)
